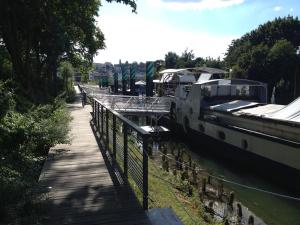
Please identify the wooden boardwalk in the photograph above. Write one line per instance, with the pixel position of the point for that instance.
(81, 189)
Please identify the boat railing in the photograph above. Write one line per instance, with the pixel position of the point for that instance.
(243, 91)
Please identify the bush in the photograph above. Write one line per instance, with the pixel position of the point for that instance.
(71, 95)
(25, 138)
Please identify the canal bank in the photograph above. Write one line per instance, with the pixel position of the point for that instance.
(272, 209)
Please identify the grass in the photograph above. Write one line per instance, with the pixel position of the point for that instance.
(164, 188)
(167, 190)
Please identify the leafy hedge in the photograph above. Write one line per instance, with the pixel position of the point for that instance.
(25, 138)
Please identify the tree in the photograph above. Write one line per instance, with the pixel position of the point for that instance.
(171, 59)
(66, 71)
(267, 54)
(39, 34)
(186, 60)
(211, 62)
(282, 61)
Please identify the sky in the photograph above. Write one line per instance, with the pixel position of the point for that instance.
(205, 26)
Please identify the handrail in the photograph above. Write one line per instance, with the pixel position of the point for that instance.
(125, 120)
(105, 119)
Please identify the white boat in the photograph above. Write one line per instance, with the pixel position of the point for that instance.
(235, 112)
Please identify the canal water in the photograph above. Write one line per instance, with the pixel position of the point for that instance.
(271, 209)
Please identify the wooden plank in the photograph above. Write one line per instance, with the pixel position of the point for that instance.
(78, 183)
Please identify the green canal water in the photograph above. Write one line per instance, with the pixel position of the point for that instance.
(271, 209)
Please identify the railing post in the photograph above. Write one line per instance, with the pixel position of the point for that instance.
(83, 99)
(98, 122)
(114, 138)
(93, 108)
(107, 131)
(102, 120)
(125, 132)
(145, 172)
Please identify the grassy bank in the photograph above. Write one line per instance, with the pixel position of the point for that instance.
(167, 190)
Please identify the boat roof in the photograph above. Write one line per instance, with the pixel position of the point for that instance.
(290, 112)
(210, 70)
(230, 82)
(176, 70)
(233, 105)
(260, 111)
(183, 78)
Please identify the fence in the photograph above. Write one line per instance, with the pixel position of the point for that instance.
(127, 145)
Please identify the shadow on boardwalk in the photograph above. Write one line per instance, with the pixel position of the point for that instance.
(80, 183)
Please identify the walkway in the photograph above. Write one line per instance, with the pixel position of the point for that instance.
(81, 190)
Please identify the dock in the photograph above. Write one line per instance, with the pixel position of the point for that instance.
(80, 184)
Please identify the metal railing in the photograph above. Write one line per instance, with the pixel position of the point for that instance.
(127, 145)
(129, 104)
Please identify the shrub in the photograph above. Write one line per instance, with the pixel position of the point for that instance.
(25, 138)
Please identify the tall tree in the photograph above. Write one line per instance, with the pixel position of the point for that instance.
(267, 54)
(171, 59)
(39, 33)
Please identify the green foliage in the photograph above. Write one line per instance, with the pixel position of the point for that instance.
(6, 71)
(25, 138)
(268, 54)
(66, 72)
(6, 98)
(42, 34)
(131, 3)
(171, 60)
(188, 60)
(211, 62)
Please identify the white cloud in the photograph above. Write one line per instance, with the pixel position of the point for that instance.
(277, 8)
(194, 5)
(134, 38)
(291, 10)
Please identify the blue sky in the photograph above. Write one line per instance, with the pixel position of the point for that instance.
(205, 26)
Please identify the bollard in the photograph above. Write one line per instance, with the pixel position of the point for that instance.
(176, 162)
(174, 172)
(190, 160)
(184, 175)
(167, 165)
(163, 158)
(178, 153)
(203, 185)
(251, 220)
(210, 208)
(239, 212)
(194, 166)
(180, 163)
(231, 199)
(220, 190)
(172, 151)
(190, 191)
(150, 152)
(226, 222)
(201, 197)
(194, 176)
(209, 179)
